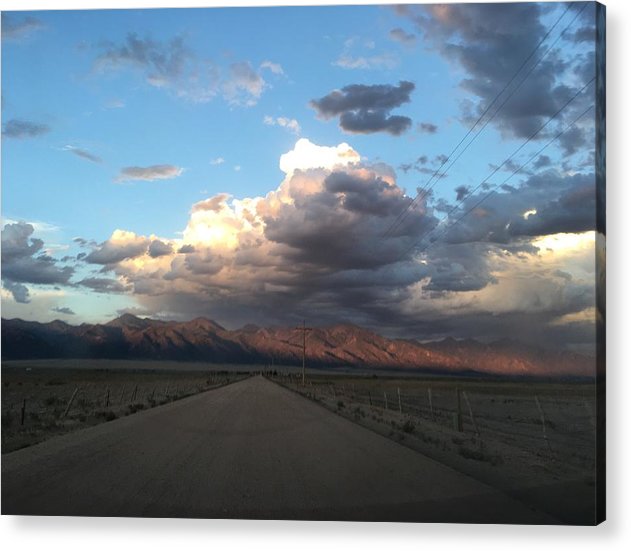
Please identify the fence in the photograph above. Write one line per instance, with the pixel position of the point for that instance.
(515, 415)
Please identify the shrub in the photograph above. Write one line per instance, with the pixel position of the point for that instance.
(408, 426)
(51, 400)
(479, 455)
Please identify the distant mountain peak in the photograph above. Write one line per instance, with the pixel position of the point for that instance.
(132, 322)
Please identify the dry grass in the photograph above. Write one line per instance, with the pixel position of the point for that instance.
(103, 394)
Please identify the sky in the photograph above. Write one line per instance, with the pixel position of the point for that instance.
(424, 171)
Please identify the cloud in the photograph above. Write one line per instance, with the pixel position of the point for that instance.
(366, 109)
(558, 203)
(103, 285)
(427, 127)
(120, 246)
(399, 35)
(284, 122)
(83, 154)
(382, 61)
(24, 261)
(473, 38)
(149, 173)
(244, 85)
(162, 64)
(273, 67)
(159, 248)
(16, 30)
(63, 310)
(306, 155)
(19, 128)
(114, 104)
(20, 292)
(174, 67)
(217, 161)
(542, 162)
(351, 59)
(313, 247)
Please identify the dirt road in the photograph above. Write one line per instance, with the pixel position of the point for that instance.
(252, 449)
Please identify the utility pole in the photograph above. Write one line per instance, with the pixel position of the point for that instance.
(304, 329)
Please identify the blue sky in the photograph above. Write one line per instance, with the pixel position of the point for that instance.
(129, 118)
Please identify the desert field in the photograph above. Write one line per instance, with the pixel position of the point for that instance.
(534, 440)
(45, 398)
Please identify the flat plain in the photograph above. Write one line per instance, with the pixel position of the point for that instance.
(531, 442)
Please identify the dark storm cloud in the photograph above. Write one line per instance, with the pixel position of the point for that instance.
(20, 129)
(584, 34)
(542, 162)
(112, 252)
(563, 204)
(186, 249)
(20, 292)
(573, 140)
(490, 42)
(103, 285)
(63, 310)
(323, 252)
(159, 248)
(366, 109)
(15, 29)
(573, 212)
(427, 127)
(23, 261)
(461, 192)
(459, 268)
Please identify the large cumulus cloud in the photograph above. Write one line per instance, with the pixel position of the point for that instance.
(314, 248)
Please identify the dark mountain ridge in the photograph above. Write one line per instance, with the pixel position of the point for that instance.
(341, 345)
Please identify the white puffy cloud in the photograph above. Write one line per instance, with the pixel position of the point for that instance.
(306, 155)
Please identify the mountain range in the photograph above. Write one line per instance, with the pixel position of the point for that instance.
(342, 345)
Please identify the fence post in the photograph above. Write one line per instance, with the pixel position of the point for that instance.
(399, 396)
(431, 407)
(23, 413)
(475, 425)
(107, 398)
(543, 422)
(369, 398)
(70, 401)
(458, 411)
(385, 398)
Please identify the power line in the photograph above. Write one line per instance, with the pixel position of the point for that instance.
(497, 186)
(508, 159)
(427, 188)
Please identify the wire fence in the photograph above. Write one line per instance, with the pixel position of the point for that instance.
(542, 419)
